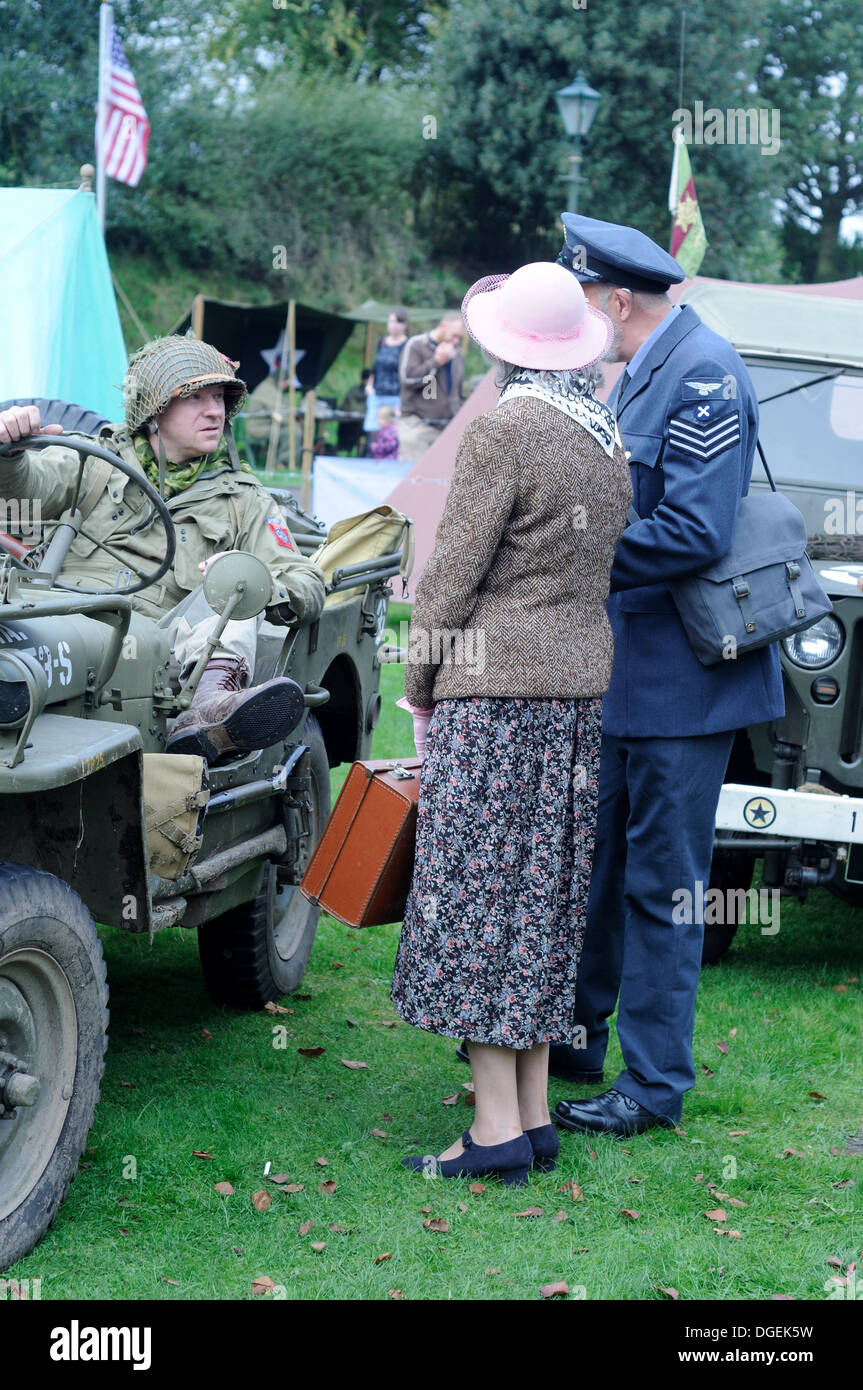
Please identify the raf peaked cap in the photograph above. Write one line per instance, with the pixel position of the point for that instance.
(604, 251)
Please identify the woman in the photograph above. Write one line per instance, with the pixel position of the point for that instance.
(383, 386)
(511, 646)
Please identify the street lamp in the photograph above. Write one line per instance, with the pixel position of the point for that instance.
(577, 105)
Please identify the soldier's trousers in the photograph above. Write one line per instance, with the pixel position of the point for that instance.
(190, 624)
(654, 837)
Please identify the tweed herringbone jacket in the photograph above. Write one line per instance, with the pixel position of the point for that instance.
(512, 600)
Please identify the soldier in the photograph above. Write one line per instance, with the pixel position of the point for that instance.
(267, 402)
(688, 414)
(180, 395)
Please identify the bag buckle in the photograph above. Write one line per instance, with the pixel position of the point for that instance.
(741, 588)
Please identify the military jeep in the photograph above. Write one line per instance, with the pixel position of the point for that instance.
(793, 795)
(87, 689)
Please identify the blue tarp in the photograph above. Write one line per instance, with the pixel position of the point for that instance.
(61, 335)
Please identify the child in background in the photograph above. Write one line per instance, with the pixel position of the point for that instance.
(385, 444)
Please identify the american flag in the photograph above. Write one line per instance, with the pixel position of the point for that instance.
(127, 130)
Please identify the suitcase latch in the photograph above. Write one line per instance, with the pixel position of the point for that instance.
(401, 773)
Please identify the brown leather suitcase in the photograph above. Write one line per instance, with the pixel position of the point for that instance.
(361, 869)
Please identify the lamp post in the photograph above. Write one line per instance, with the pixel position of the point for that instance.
(577, 105)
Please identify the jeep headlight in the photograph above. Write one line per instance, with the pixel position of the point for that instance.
(817, 645)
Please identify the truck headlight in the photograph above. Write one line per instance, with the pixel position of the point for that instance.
(817, 645)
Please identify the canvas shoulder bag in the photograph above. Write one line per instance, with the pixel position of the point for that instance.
(763, 589)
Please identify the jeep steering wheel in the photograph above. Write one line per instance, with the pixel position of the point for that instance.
(87, 449)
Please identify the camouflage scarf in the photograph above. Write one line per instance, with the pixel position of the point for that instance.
(179, 476)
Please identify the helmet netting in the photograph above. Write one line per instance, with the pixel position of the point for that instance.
(173, 367)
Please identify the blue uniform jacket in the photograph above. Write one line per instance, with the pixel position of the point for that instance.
(689, 418)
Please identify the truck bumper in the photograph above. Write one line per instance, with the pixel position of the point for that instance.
(790, 815)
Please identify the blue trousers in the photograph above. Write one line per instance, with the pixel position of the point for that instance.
(654, 835)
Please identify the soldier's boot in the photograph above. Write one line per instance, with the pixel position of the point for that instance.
(227, 717)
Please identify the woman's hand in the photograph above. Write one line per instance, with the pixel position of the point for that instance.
(422, 719)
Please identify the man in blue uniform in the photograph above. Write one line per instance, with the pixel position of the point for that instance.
(688, 416)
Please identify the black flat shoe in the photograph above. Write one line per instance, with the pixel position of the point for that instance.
(545, 1143)
(609, 1113)
(561, 1059)
(510, 1161)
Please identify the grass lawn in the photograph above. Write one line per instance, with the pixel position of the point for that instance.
(780, 1019)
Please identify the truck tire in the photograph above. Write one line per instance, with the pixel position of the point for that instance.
(259, 951)
(53, 1026)
(731, 868)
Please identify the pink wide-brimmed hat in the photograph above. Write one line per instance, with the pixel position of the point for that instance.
(537, 317)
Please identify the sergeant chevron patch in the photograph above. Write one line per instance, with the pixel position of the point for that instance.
(704, 441)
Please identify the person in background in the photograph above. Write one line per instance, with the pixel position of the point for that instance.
(384, 387)
(431, 373)
(265, 402)
(349, 433)
(510, 654)
(385, 444)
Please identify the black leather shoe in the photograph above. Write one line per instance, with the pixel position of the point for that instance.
(546, 1147)
(510, 1161)
(560, 1064)
(609, 1113)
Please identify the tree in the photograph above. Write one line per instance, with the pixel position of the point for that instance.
(812, 72)
(495, 186)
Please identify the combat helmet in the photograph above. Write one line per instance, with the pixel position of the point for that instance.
(176, 366)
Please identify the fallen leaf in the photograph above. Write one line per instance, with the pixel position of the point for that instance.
(293, 1187)
(558, 1290)
(633, 1179)
(835, 1150)
(853, 979)
(462, 1206)
(735, 1235)
(470, 1100)
(816, 1095)
(304, 1227)
(224, 1189)
(395, 1293)
(732, 1032)
(792, 1153)
(707, 1072)
(386, 1118)
(669, 1293)
(201, 1153)
(529, 1211)
(379, 1259)
(834, 1262)
(340, 1230)
(175, 1282)
(591, 1151)
(577, 1194)
(717, 1214)
(318, 1245)
(737, 1133)
(263, 1284)
(280, 1178)
(467, 1086)
(722, 1046)
(699, 1177)
(205, 1033)
(425, 1209)
(337, 965)
(783, 1298)
(625, 1151)
(477, 1188)
(124, 1230)
(355, 1066)
(311, 1051)
(272, 1008)
(560, 1216)
(633, 1215)
(493, 1269)
(681, 1133)
(130, 1084)
(846, 1182)
(735, 1202)
(328, 1186)
(322, 1162)
(388, 1022)
(436, 1223)
(840, 989)
(261, 1201)
(450, 1100)
(380, 1133)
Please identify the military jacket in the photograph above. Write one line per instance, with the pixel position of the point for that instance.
(689, 421)
(221, 510)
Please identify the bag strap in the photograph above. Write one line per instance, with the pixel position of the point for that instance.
(99, 475)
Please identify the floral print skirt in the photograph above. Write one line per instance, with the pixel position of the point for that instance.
(495, 917)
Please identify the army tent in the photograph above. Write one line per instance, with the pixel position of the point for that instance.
(61, 330)
(244, 332)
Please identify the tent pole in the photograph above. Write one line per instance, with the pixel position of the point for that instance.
(198, 316)
(287, 348)
(367, 354)
(308, 449)
(106, 16)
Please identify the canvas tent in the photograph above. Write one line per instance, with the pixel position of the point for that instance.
(421, 494)
(61, 330)
(244, 331)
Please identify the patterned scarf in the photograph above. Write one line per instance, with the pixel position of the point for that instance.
(571, 394)
(179, 476)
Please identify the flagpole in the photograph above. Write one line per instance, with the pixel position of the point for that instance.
(106, 18)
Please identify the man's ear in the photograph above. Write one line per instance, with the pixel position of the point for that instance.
(625, 303)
